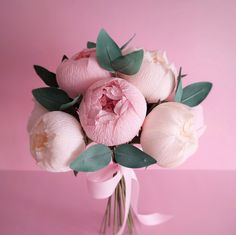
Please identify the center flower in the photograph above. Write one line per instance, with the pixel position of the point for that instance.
(112, 111)
(107, 103)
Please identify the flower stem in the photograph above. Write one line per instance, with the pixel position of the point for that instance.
(109, 211)
(114, 216)
(118, 211)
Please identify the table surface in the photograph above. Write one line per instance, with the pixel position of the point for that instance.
(42, 203)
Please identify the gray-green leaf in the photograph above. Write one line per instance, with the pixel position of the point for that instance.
(129, 156)
(106, 50)
(50, 97)
(179, 89)
(68, 105)
(128, 64)
(64, 58)
(91, 45)
(94, 158)
(195, 93)
(46, 76)
(127, 43)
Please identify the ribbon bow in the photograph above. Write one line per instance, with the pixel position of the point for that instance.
(102, 184)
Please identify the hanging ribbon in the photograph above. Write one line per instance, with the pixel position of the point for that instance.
(102, 184)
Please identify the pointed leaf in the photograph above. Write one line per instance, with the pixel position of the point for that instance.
(127, 43)
(50, 97)
(48, 77)
(129, 156)
(129, 64)
(64, 58)
(94, 158)
(195, 93)
(72, 103)
(106, 50)
(91, 45)
(179, 89)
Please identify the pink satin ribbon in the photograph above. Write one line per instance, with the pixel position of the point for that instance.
(102, 184)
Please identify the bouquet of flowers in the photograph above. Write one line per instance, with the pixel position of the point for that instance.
(108, 110)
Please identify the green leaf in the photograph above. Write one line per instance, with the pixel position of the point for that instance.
(129, 156)
(179, 89)
(129, 64)
(106, 50)
(50, 97)
(195, 93)
(48, 77)
(64, 58)
(94, 158)
(127, 43)
(71, 103)
(91, 45)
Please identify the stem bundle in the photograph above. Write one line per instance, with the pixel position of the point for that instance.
(118, 212)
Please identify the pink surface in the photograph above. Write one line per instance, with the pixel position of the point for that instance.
(39, 203)
(198, 35)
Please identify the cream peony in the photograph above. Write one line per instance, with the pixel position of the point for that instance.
(56, 140)
(112, 111)
(76, 74)
(170, 133)
(156, 77)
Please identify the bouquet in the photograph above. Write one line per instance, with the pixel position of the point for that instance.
(108, 110)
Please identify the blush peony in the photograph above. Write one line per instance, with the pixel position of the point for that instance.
(76, 74)
(170, 133)
(56, 140)
(156, 77)
(112, 111)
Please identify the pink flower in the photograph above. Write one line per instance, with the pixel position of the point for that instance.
(56, 140)
(75, 75)
(36, 113)
(170, 133)
(112, 111)
(156, 77)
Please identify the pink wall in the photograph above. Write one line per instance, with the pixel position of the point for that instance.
(198, 35)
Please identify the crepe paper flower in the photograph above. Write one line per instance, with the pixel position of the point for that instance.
(156, 78)
(56, 140)
(171, 132)
(37, 112)
(112, 111)
(76, 74)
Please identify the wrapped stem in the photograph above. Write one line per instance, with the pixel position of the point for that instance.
(118, 205)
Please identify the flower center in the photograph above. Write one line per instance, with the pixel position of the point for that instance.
(157, 58)
(40, 142)
(83, 54)
(187, 130)
(107, 103)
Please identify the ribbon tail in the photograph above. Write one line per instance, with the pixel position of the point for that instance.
(146, 219)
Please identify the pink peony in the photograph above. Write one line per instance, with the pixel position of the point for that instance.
(112, 111)
(156, 77)
(170, 133)
(36, 113)
(56, 140)
(75, 75)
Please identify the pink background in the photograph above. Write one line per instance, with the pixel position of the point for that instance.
(200, 36)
